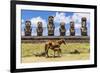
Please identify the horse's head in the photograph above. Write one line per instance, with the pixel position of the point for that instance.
(63, 41)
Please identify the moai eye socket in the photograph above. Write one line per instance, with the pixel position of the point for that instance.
(49, 17)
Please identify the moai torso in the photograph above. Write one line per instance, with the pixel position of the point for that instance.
(51, 26)
(83, 27)
(62, 29)
(39, 29)
(72, 29)
(28, 28)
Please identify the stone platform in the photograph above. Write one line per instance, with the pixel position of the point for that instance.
(70, 39)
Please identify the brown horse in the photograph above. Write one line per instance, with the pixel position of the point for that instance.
(54, 45)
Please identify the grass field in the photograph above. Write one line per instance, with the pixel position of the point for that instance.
(29, 49)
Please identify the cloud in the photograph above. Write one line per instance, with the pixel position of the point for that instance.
(45, 31)
(87, 15)
(67, 32)
(76, 17)
(61, 17)
(23, 25)
(22, 33)
(77, 26)
(34, 33)
(35, 20)
(22, 21)
(56, 32)
(77, 34)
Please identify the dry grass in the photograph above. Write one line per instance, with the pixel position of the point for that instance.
(29, 49)
(65, 57)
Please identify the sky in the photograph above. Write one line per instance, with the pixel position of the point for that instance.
(35, 15)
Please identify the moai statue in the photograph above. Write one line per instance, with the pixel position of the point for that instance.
(62, 29)
(28, 28)
(83, 27)
(39, 29)
(51, 26)
(72, 29)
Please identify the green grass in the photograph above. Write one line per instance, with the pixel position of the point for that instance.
(28, 49)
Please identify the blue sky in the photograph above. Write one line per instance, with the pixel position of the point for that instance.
(34, 16)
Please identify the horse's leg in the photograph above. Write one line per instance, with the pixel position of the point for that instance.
(46, 50)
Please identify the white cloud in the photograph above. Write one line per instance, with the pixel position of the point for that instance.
(23, 25)
(87, 15)
(56, 32)
(34, 33)
(77, 17)
(67, 32)
(77, 34)
(22, 33)
(45, 31)
(61, 17)
(77, 26)
(35, 20)
(22, 21)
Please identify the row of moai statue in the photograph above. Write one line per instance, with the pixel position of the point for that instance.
(51, 28)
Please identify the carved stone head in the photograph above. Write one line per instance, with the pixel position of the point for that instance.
(51, 19)
(27, 28)
(72, 24)
(62, 24)
(28, 23)
(39, 24)
(83, 20)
